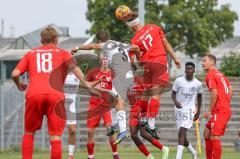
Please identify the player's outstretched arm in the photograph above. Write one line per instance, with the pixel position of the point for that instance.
(136, 50)
(171, 52)
(174, 98)
(15, 76)
(87, 47)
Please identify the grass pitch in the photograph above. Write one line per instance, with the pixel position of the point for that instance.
(105, 153)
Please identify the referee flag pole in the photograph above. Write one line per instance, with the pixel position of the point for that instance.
(199, 146)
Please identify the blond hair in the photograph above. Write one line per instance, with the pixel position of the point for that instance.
(48, 35)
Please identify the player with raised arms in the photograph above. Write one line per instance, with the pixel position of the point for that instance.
(119, 62)
(154, 47)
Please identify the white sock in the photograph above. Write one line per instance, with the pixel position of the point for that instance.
(151, 123)
(121, 118)
(150, 155)
(90, 156)
(71, 149)
(115, 153)
(191, 149)
(179, 152)
(114, 117)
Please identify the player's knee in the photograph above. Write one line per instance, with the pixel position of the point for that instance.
(91, 132)
(181, 132)
(134, 136)
(143, 134)
(55, 137)
(72, 131)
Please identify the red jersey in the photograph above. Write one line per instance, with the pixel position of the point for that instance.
(40, 63)
(135, 94)
(149, 40)
(106, 83)
(216, 80)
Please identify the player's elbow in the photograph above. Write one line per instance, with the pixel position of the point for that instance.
(15, 73)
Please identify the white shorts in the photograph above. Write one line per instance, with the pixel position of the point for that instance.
(184, 118)
(70, 101)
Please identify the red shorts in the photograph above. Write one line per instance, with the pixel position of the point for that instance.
(46, 104)
(136, 113)
(156, 72)
(96, 112)
(218, 123)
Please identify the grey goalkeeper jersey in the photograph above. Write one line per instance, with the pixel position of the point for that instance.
(118, 58)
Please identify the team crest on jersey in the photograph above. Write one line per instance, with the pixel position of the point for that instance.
(193, 89)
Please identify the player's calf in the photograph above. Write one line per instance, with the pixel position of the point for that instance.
(56, 147)
(71, 140)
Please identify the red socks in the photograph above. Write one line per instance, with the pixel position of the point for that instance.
(114, 146)
(144, 150)
(90, 148)
(156, 143)
(27, 146)
(208, 147)
(56, 149)
(154, 106)
(216, 148)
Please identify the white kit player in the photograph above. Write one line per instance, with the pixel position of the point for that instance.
(119, 62)
(71, 90)
(184, 93)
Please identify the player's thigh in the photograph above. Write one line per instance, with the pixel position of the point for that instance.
(93, 122)
(34, 112)
(107, 118)
(219, 123)
(156, 74)
(56, 115)
(134, 115)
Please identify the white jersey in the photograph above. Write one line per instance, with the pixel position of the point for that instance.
(118, 58)
(70, 90)
(186, 92)
(71, 85)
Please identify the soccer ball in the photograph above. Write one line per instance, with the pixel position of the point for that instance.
(122, 12)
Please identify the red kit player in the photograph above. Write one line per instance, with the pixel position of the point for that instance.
(100, 107)
(220, 111)
(154, 48)
(45, 64)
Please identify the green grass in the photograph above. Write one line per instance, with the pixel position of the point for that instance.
(105, 153)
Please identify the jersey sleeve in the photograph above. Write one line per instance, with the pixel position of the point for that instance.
(90, 76)
(22, 66)
(211, 82)
(175, 86)
(161, 32)
(200, 89)
(69, 60)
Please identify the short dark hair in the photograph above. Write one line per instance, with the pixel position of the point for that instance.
(211, 57)
(190, 63)
(134, 16)
(102, 36)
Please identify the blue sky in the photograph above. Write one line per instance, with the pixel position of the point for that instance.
(27, 15)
